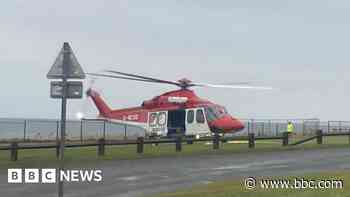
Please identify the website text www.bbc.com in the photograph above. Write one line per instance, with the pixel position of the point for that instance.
(251, 183)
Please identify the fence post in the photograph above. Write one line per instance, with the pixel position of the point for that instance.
(57, 149)
(319, 136)
(263, 129)
(101, 147)
(14, 151)
(140, 141)
(178, 144)
(349, 136)
(190, 141)
(81, 131)
(104, 129)
(248, 126)
(125, 134)
(216, 140)
(24, 130)
(251, 140)
(285, 139)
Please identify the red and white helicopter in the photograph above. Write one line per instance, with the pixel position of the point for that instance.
(172, 112)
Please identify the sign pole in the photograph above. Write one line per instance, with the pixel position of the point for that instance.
(63, 115)
(63, 133)
(65, 67)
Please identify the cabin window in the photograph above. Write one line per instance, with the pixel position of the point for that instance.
(161, 118)
(200, 116)
(190, 116)
(153, 119)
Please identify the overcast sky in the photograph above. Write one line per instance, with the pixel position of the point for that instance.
(300, 47)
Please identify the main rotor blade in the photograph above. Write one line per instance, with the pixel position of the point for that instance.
(236, 83)
(120, 77)
(231, 86)
(144, 77)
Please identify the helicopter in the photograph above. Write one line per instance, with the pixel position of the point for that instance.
(173, 113)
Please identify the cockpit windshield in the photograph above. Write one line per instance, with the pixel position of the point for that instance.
(215, 112)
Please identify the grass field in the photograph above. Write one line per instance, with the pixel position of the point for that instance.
(235, 188)
(88, 156)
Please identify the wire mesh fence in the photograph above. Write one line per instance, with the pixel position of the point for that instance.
(275, 127)
(49, 130)
(12, 129)
(338, 127)
(92, 129)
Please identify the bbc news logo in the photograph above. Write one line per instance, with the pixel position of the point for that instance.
(51, 175)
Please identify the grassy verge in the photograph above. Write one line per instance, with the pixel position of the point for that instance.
(235, 188)
(83, 156)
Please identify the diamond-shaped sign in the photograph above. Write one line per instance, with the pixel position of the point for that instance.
(66, 58)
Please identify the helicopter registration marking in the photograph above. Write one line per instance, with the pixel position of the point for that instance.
(131, 117)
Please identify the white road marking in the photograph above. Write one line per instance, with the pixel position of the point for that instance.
(262, 164)
(257, 142)
(205, 182)
(136, 178)
(130, 178)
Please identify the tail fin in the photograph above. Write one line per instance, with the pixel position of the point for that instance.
(99, 102)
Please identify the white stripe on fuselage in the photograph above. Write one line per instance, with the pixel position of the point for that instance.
(143, 125)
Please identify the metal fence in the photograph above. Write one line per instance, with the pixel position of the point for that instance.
(92, 129)
(83, 130)
(338, 127)
(275, 127)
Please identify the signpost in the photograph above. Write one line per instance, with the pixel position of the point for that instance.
(66, 66)
(74, 89)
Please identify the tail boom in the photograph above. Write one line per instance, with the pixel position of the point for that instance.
(101, 105)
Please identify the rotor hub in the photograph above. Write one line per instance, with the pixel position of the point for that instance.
(184, 83)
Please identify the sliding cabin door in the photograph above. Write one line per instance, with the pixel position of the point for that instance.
(196, 122)
(176, 122)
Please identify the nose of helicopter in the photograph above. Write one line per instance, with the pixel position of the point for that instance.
(228, 124)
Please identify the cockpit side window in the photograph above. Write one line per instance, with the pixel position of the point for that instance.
(221, 111)
(215, 112)
(210, 114)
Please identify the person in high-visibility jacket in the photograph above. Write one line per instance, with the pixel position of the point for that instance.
(290, 127)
